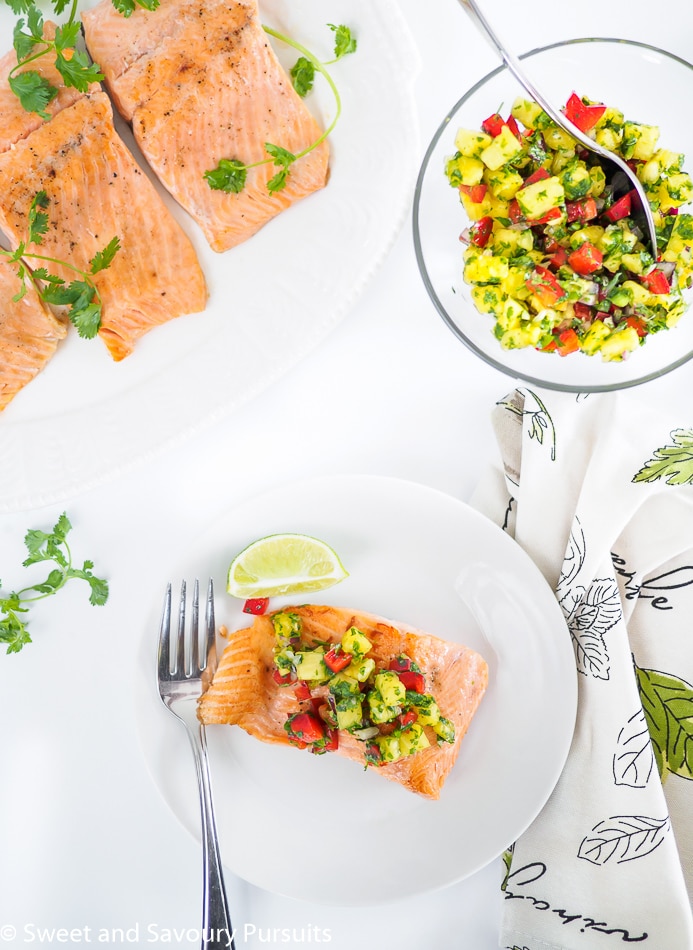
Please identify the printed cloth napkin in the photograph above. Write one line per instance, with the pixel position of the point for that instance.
(599, 491)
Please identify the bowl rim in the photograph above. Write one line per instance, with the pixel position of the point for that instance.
(442, 128)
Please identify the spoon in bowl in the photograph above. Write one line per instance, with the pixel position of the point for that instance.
(618, 174)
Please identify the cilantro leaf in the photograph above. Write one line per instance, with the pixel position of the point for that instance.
(24, 43)
(33, 91)
(38, 220)
(66, 36)
(103, 259)
(229, 175)
(344, 42)
(127, 7)
(19, 6)
(76, 69)
(86, 319)
(302, 76)
(284, 159)
(672, 463)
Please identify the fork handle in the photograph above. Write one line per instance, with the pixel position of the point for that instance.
(217, 930)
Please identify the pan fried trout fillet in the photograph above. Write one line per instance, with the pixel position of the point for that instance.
(243, 691)
(96, 191)
(199, 82)
(29, 334)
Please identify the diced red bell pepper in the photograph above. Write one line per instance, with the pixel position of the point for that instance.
(539, 175)
(583, 116)
(480, 231)
(407, 718)
(372, 754)
(515, 212)
(583, 311)
(583, 210)
(283, 679)
(513, 126)
(400, 663)
(331, 740)
(586, 259)
(621, 208)
(413, 681)
(545, 286)
(567, 342)
(558, 257)
(336, 659)
(638, 324)
(475, 193)
(656, 282)
(302, 690)
(493, 126)
(551, 215)
(256, 605)
(306, 727)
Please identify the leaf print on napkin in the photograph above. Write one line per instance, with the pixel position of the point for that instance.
(623, 838)
(574, 555)
(539, 421)
(589, 614)
(634, 758)
(673, 463)
(668, 705)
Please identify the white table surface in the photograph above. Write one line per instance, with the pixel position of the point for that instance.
(86, 841)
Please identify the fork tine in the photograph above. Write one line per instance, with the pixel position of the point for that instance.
(194, 656)
(180, 646)
(210, 658)
(164, 660)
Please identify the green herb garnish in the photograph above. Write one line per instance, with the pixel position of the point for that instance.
(230, 173)
(81, 295)
(49, 547)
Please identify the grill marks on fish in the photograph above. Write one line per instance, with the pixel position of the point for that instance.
(97, 191)
(29, 334)
(243, 691)
(199, 84)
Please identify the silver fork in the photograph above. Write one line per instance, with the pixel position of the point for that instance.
(184, 673)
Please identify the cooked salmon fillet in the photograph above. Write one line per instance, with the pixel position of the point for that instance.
(29, 334)
(199, 82)
(97, 191)
(243, 691)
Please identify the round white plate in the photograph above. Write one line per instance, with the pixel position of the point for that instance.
(85, 419)
(320, 828)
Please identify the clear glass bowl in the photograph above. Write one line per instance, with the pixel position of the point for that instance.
(648, 85)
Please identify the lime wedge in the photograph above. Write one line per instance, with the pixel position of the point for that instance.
(283, 564)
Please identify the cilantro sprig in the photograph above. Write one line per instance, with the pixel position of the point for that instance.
(230, 174)
(33, 90)
(45, 547)
(80, 296)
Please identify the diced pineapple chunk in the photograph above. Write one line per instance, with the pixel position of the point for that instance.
(487, 298)
(471, 143)
(529, 113)
(413, 739)
(350, 718)
(539, 198)
(462, 170)
(429, 714)
(445, 729)
(486, 269)
(380, 711)
(360, 668)
(503, 182)
(621, 341)
(593, 339)
(502, 149)
(639, 141)
(354, 641)
(311, 666)
(389, 746)
(390, 687)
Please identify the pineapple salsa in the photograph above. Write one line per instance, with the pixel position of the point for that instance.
(553, 255)
(339, 687)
